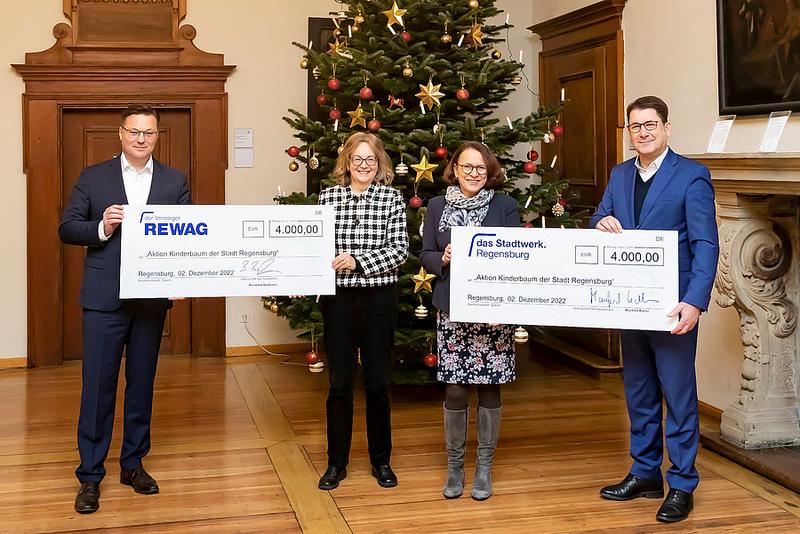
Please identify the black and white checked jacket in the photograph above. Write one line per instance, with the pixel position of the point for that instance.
(371, 227)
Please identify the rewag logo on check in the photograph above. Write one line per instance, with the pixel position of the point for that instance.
(170, 225)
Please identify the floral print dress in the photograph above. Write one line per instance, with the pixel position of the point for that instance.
(474, 353)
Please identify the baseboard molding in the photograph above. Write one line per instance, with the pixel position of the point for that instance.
(710, 411)
(255, 350)
(13, 363)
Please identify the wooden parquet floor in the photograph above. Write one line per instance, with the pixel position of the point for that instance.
(238, 446)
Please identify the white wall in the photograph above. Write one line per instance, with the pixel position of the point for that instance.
(254, 35)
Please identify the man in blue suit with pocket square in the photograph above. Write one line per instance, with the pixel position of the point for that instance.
(661, 190)
(91, 219)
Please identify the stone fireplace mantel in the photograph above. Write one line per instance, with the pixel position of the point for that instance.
(757, 199)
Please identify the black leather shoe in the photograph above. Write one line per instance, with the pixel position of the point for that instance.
(385, 475)
(676, 506)
(88, 499)
(140, 480)
(331, 478)
(633, 487)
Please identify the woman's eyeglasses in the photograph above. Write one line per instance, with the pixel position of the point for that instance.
(468, 168)
(369, 161)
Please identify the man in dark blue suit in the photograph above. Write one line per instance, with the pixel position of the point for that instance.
(660, 190)
(110, 325)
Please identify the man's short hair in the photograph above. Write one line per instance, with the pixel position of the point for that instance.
(650, 102)
(138, 109)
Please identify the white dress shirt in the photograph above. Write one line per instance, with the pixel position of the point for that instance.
(652, 169)
(137, 186)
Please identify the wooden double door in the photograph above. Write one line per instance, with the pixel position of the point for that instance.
(89, 137)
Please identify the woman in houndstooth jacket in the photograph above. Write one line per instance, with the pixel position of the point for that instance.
(371, 244)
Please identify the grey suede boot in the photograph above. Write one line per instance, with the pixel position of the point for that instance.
(488, 432)
(455, 440)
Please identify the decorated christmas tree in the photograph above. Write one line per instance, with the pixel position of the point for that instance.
(425, 76)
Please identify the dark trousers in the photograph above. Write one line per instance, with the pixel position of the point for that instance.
(135, 327)
(659, 365)
(359, 318)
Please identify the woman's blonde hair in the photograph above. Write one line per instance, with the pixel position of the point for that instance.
(384, 173)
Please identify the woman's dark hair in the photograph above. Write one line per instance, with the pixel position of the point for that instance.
(495, 174)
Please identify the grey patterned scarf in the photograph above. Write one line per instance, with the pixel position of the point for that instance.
(464, 211)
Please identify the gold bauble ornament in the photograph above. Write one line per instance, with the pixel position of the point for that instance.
(496, 54)
(520, 335)
(420, 312)
(273, 307)
(304, 63)
(355, 27)
(446, 38)
(293, 166)
(337, 32)
(358, 19)
(339, 150)
(473, 4)
(407, 72)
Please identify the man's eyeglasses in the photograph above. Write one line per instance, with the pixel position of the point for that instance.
(636, 127)
(134, 134)
(468, 168)
(369, 161)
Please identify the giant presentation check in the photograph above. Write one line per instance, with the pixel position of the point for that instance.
(559, 277)
(216, 251)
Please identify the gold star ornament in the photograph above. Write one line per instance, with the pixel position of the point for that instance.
(395, 15)
(336, 47)
(424, 170)
(422, 280)
(357, 117)
(476, 35)
(430, 94)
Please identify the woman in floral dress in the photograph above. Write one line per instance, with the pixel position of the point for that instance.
(469, 353)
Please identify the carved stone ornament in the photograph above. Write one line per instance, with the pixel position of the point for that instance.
(756, 275)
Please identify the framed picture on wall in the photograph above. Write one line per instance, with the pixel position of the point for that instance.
(758, 45)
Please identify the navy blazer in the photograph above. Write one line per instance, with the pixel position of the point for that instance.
(681, 198)
(503, 211)
(98, 187)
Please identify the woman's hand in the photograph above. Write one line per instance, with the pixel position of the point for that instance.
(446, 256)
(344, 262)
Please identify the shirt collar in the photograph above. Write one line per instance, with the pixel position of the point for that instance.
(366, 195)
(125, 165)
(655, 165)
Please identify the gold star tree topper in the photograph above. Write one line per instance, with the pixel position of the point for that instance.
(424, 170)
(476, 35)
(395, 15)
(422, 280)
(430, 94)
(357, 117)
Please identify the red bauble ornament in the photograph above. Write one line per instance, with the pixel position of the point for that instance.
(529, 167)
(533, 155)
(462, 94)
(293, 151)
(335, 114)
(431, 359)
(558, 130)
(527, 225)
(322, 99)
(415, 202)
(562, 201)
(365, 93)
(311, 357)
(406, 36)
(374, 125)
(334, 84)
(441, 152)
